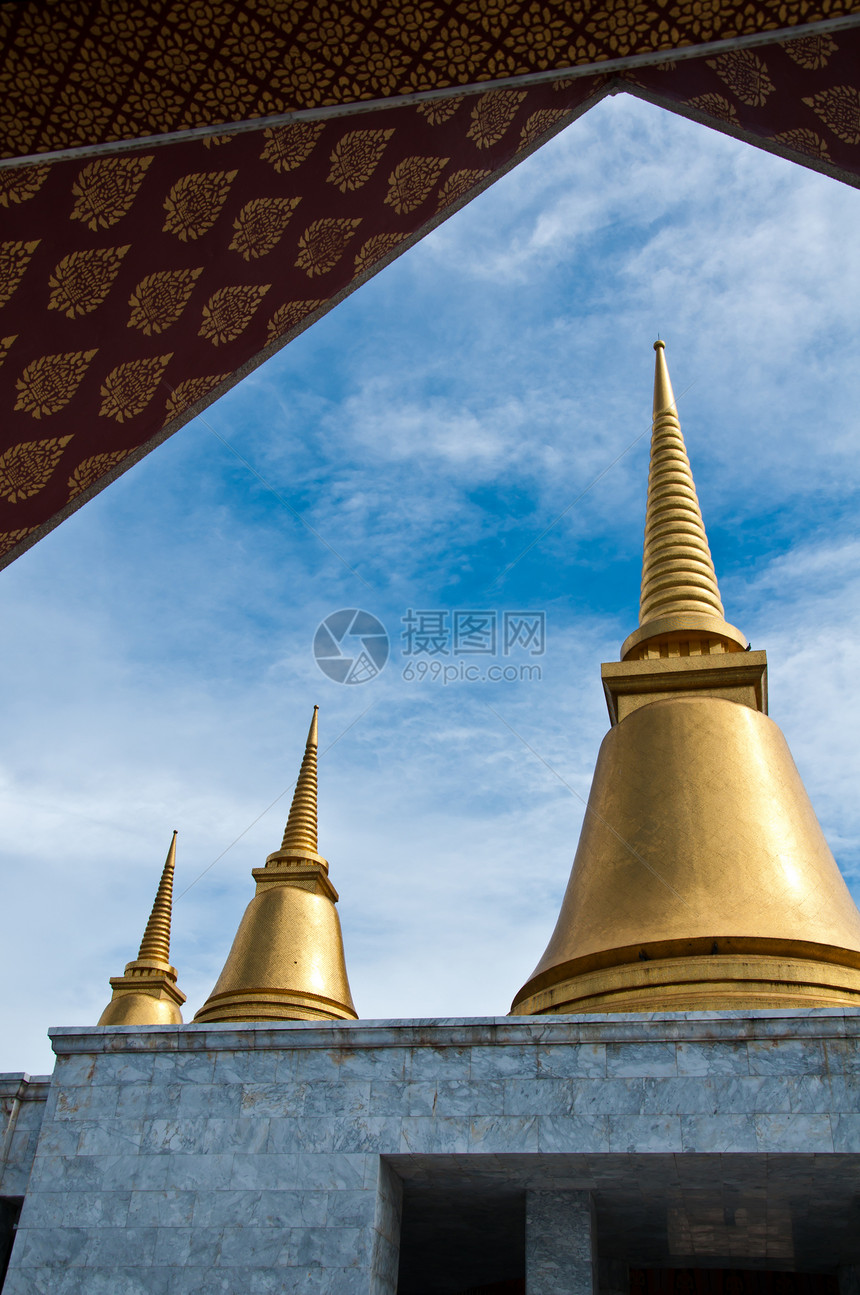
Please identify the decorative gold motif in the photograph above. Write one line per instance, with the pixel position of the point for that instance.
(189, 392)
(20, 183)
(715, 105)
(323, 244)
(492, 116)
(438, 111)
(811, 52)
(229, 311)
(260, 226)
(10, 539)
(539, 123)
(215, 141)
(92, 468)
(288, 315)
(745, 75)
(105, 190)
(458, 185)
(27, 468)
(356, 156)
(6, 346)
(128, 389)
(194, 203)
(160, 298)
(804, 141)
(839, 109)
(286, 147)
(375, 248)
(82, 280)
(49, 383)
(14, 259)
(412, 181)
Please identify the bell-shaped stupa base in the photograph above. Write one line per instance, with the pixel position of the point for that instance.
(702, 878)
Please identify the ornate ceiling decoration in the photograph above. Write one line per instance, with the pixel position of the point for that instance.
(138, 284)
(75, 74)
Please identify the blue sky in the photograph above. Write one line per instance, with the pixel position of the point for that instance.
(159, 670)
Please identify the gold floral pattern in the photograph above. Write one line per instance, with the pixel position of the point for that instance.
(356, 156)
(128, 388)
(214, 141)
(160, 298)
(187, 393)
(745, 75)
(81, 281)
(104, 191)
(21, 183)
(132, 69)
(49, 383)
(93, 468)
(458, 185)
(229, 311)
(438, 111)
(716, 105)
(286, 147)
(10, 539)
(323, 244)
(14, 259)
(492, 116)
(6, 346)
(839, 109)
(288, 316)
(412, 181)
(194, 203)
(260, 226)
(804, 141)
(27, 468)
(811, 52)
(539, 123)
(374, 249)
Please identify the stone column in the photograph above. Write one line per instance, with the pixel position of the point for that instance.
(561, 1248)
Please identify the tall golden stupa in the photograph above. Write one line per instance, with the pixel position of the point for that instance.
(287, 961)
(702, 878)
(147, 993)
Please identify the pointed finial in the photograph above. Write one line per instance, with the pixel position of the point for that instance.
(146, 993)
(301, 829)
(680, 599)
(155, 945)
(677, 572)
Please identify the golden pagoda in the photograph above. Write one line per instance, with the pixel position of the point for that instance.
(147, 993)
(702, 879)
(287, 962)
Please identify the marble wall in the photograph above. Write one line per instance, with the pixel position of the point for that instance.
(274, 1158)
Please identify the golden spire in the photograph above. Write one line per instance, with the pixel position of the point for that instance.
(287, 962)
(147, 993)
(702, 880)
(680, 597)
(156, 938)
(301, 830)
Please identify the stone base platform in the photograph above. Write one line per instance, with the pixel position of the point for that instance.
(430, 1157)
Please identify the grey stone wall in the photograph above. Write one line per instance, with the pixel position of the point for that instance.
(273, 1158)
(22, 1105)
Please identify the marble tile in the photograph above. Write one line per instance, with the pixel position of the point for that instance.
(627, 1060)
(641, 1133)
(718, 1133)
(573, 1134)
(572, 1060)
(807, 1133)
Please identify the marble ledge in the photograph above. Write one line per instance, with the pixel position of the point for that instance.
(651, 1027)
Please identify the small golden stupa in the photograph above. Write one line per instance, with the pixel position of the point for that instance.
(287, 962)
(147, 993)
(702, 878)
